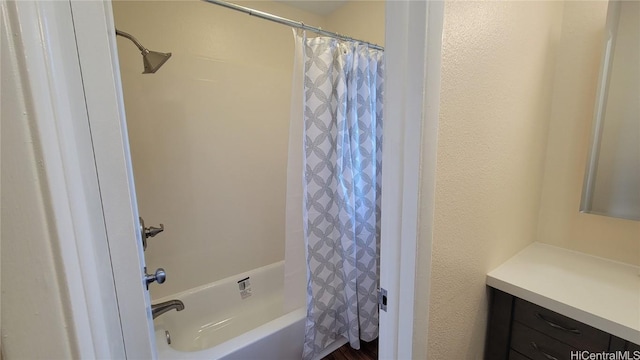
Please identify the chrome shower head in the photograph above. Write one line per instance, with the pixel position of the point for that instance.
(152, 60)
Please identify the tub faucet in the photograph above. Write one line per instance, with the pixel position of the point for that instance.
(163, 307)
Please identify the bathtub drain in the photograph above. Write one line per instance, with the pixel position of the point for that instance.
(166, 334)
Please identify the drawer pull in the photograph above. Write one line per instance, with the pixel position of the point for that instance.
(536, 348)
(556, 326)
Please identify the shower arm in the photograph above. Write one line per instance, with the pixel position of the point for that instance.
(142, 49)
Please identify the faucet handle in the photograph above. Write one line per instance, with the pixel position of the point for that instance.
(159, 276)
(148, 232)
(152, 231)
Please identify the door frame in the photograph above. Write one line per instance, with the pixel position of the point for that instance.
(98, 59)
(413, 47)
(46, 53)
(413, 38)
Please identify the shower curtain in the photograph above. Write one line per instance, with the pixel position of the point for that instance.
(341, 163)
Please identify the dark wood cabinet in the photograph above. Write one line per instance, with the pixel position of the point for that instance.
(520, 330)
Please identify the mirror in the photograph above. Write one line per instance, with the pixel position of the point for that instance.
(612, 180)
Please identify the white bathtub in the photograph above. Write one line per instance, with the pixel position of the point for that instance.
(217, 323)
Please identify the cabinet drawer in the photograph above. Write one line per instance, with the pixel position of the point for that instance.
(538, 346)
(517, 356)
(568, 331)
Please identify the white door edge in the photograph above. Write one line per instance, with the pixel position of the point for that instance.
(430, 122)
(98, 56)
(412, 89)
(52, 85)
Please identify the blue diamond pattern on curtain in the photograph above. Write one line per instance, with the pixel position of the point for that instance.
(343, 84)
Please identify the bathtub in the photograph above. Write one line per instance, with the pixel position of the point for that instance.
(241, 317)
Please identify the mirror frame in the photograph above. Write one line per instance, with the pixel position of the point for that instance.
(613, 16)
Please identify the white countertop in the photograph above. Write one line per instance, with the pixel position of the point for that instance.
(599, 292)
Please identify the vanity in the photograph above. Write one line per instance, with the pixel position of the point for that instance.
(551, 303)
(547, 302)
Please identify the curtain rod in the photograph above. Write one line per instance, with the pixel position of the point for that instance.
(288, 22)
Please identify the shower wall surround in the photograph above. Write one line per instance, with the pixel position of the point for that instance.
(209, 135)
(209, 131)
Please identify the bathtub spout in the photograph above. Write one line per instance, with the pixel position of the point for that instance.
(163, 307)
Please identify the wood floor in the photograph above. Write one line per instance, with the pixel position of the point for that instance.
(368, 351)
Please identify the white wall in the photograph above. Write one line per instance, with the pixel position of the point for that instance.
(362, 20)
(497, 78)
(34, 325)
(209, 131)
(569, 139)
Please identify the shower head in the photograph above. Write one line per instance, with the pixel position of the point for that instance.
(152, 60)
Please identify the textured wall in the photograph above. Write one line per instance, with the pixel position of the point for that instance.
(569, 137)
(497, 77)
(29, 281)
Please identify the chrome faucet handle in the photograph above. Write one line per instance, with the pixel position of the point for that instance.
(148, 232)
(163, 307)
(159, 276)
(152, 231)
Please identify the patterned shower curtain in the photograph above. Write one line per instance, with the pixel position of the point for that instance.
(343, 85)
